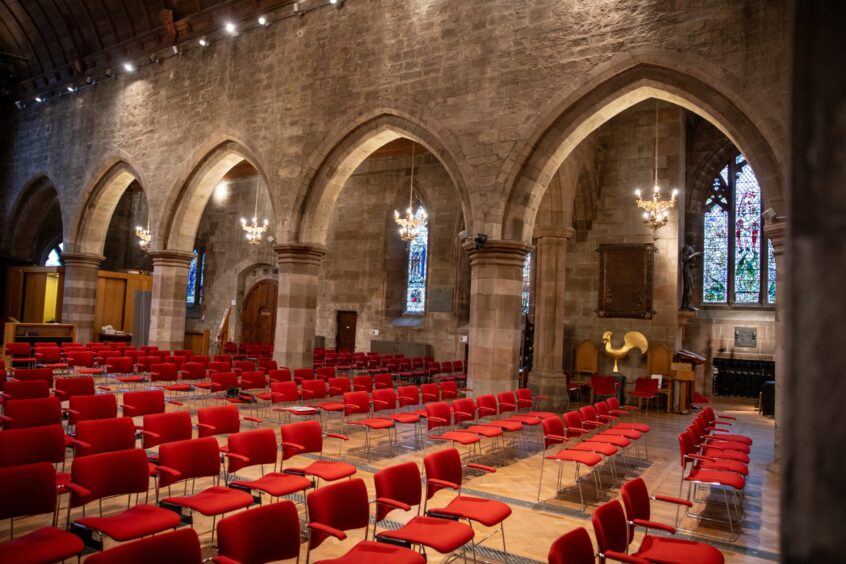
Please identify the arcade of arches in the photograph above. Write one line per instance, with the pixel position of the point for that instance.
(522, 131)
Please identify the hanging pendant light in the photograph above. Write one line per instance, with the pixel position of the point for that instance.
(409, 226)
(254, 230)
(656, 211)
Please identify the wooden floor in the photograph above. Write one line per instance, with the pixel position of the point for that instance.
(534, 526)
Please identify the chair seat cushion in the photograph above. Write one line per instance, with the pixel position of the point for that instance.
(504, 424)
(622, 432)
(90, 371)
(327, 470)
(42, 545)
(641, 427)
(542, 414)
(742, 439)
(374, 423)
(726, 454)
(460, 437)
(730, 445)
(130, 379)
(178, 388)
(488, 512)
(277, 484)
(659, 549)
(569, 455)
(485, 431)
(526, 419)
(331, 406)
(406, 418)
(615, 440)
(720, 477)
(601, 448)
(214, 501)
(444, 535)
(366, 552)
(135, 522)
(726, 465)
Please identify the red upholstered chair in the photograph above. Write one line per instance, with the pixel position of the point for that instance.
(281, 392)
(398, 487)
(363, 383)
(188, 354)
(266, 364)
(339, 386)
(612, 538)
(120, 365)
(25, 389)
(604, 415)
(408, 396)
(143, 363)
(314, 390)
(25, 413)
(197, 458)
(575, 427)
(325, 373)
(80, 358)
(590, 420)
(218, 382)
(603, 386)
(243, 366)
(620, 412)
(576, 547)
(164, 372)
(50, 357)
(21, 354)
(192, 371)
(264, 534)
(136, 404)
(636, 500)
(26, 490)
(28, 374)
(554, 434)
(202, 359)
(177, 360)
(341, 507)
(35, 444)
(110, 474)
(386, 401)
(430, 393)
(227, 358)
(645, 389)
(487, 406)
(305, 437)
(69, 387)
(86, 408)
(258, 448)
(220, 420)
(219, 366)
(713, 427)
(253, 380)
(383, 381)
(103, 435)
(444, 471)
(280, 375)
(358, 403)
(507, 403)
(160, 428)
(526, 400)
(439, 416)
(181, 545)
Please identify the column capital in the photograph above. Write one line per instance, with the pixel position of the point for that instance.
(497, 252)
(171, 258)
(776, 232)
(299, 253)
(89, 260)
(553, 232)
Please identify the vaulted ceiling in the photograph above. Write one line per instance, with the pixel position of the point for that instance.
(47, 43)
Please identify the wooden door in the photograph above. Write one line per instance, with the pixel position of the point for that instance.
(345, 334)
(258, 316)
(110, 305)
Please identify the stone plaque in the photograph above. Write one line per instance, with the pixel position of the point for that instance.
(625, 280)
(440, 299)
(746, 337)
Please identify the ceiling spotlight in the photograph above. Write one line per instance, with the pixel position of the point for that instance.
(337, 3)
(175, 49)
(262, 20)
(20, 105)
(230, 28)
(71, 89)
(129, 67)
(203, 42)
(39, 99)
(297, 11)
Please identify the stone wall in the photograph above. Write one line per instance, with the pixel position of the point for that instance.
(364, 269)
(625, 162)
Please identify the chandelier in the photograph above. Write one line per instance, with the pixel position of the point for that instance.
(656, 212)
(144, 235)
(254, 230)
(409, 226)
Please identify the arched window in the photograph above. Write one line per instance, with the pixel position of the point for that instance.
(54, 257)
(196, 277)
(415, 295)
(734, 243)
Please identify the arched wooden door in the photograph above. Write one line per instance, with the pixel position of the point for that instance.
(258, 316)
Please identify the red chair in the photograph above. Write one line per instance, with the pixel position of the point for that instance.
(638, 506)
(325, 373)
(258, 447)
(69, 387)
(160, 428)
(591, 420)
(263, 534)
(225, 358)
(383, 381)
(280, 375)
(121, 365)
(25, 389)
(507, 402)
(438, 416)
(487, 406)
(144, 363)
(719, 450)
(363, 383)
(28, 374)
(307, 437)
(136, 404)
(342, 507)
(386, 400)
(266, 365)
(21, 354)
(603, 386)
(35, 444)
(80, 358)
(705, 437)
(50, 357)
(408, 396)
(181, 545)
(444, 471)
(575, 427)
(188, 354)
(202, 359)
(219, 366)
(576, 547)
(339, 386)
(583, 454)
(177, 360)
(86, 408)
(616, 410)
(219, 382)
(164, 372)
(613, 538)
(219, 420)
(604, 415)
(192, 371)
(430, 393)
(645, 389)
(25, 413)
(31, 490)
(356, 403)
(281, 392)
(303, 374)
(109, 474)
(103, 435)
(398, 487)
(243, 366)
(526, 400)
(197, 458)
(253, 380)
(712, 427)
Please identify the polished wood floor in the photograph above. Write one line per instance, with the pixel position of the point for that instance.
(534, 525)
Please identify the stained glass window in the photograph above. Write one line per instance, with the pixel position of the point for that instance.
(55, 256)
(733, 245)
(415, 297)
(771, 272)
(527, 283)
(196, 278)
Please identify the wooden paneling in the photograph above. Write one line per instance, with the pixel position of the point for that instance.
(258, 316)
(14, 292)
(35, 285)
(345, 332)
(659, 359)
(587, 358)
(197, 341)
(116, 298)
(25, 293)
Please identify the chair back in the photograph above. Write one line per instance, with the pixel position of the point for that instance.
(449, 389)
(253, 380)
(356, 402)
(588, 413)
(181, 545)
(219, 366)
(18, 350)
(438, 415)
(163, 372)
(263, 534)
(430, 392)
(258, 445)
(325, 372)
(408, 395)
(487, 405)
(363, 383)
(194, 458)
(25, 374)
(25, 413)
(339, 386)
(507, 401)
(81, 358)
(104, 435)
(306, 434)
(26, 389)
(463, 410)
(220, 420)
(574, 547)
(284, 392)
(35, 444)
(27, 490)
(193, 371)
(67, 388)
(342, 505)
(160, 428)
(145, 402)
(573, 422)
(108, 474)
(384, 399)
(383, 381)
(609, 525)
(314, 389)
(636, 501)
(552, 427)
(120, 365)
(86, 408)
(279, 375)
(442, 465)
(401, 483)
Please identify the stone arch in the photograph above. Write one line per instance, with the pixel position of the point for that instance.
(187, 202)
(87, 231)
(34, 205)
(706, 170)
(616, 87)
(327, 173)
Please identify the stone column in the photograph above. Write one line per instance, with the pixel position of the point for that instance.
(496, 283)
(80, 293)
(776, 232)
(296, 313)
(170, 289)
(547, 373)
